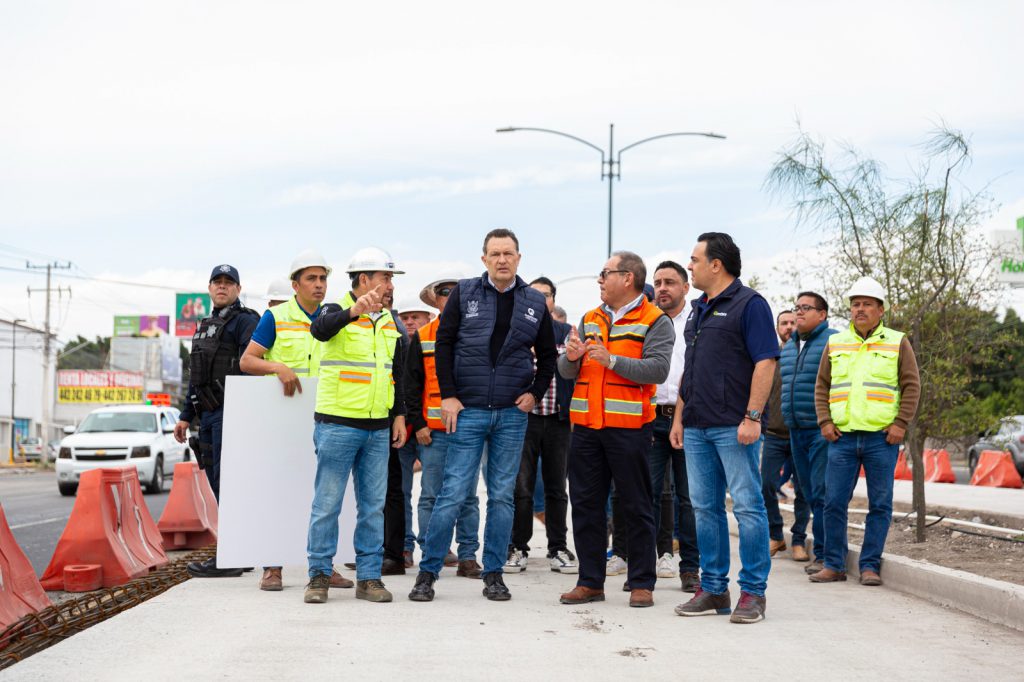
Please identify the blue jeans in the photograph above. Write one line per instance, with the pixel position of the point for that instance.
(341, 450)
(715, 460)
(810, 457)
(407, 456)
(774, 454)
(467, 525)
(845, 457)
(502, 430)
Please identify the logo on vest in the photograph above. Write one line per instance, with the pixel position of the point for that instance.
(530, 312)
(473, 309)
(719, 314)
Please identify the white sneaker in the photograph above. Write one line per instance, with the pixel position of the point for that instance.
(666, 566)
(516, 561)
(563, 561)
(615, 566)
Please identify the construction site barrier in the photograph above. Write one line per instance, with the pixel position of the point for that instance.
(937, 468)
(107, 528)
(902, 472)
(83, 578)
(20, 591)
(996, 469)
(189, 520)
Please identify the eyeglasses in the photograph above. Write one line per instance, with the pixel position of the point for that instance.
(805, 308)
(443, 291)
(604, 273)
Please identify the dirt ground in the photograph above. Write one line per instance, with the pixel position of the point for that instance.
(951, 546)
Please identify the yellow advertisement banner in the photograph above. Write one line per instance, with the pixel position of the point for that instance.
(110, 394)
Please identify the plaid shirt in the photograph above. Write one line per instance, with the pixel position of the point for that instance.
(548, 405)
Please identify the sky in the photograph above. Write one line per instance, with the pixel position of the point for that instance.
(148, 142)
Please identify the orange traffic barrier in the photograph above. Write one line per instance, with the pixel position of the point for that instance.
(107, 528)
(996, 469)
(189, 520)
(937, 468)
(20, 591)
(902, 472)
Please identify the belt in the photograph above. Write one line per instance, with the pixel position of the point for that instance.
(665, 410)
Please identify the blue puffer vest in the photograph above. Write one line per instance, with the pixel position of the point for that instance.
(477, 383)
(799, 372)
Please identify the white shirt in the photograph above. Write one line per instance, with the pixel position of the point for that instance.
(669, 391)
(617, 314)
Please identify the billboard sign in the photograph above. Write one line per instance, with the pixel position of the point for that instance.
(189, 309)
(142, 325)
(99, 386)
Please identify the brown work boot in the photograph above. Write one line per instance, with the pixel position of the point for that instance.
(581, 594)
(813, 567)
(870, 578)
(539, 516)
(706, 604)
(450, 559)
(827, 575)
(271, 580)
(407, 556)
(469, 569)
(800, 553)
(776, 546)
(316, 589)
(641, 598)
(372, 590)
(338, 580)
(690, 581)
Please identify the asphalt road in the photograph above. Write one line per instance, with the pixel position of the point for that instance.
(37, 512)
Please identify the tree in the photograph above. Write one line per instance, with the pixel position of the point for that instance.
(80, 353)
(920, 238)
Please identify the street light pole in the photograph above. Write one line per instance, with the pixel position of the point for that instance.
(611, 166)
(14, 351)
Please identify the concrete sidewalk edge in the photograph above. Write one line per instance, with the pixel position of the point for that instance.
(996, 601)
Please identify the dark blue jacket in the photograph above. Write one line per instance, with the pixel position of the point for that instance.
(563, 387)
(799, 372)
(477, 382)
(718, 369)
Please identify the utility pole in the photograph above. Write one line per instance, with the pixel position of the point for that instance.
(47, 402)
(14, 357)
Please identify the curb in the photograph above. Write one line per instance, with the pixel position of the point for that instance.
(992, 600)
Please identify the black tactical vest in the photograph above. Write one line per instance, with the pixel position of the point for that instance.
(213, 357)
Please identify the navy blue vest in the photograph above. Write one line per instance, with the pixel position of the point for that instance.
(718, 369)
(477, 383)
(799, 373)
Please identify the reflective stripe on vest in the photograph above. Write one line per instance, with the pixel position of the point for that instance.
(356, 368)
(293, 345)
(602, 398)
(431, 388)
(864, 394)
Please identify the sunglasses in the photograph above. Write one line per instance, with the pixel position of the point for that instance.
(443, 291)
(604, 273)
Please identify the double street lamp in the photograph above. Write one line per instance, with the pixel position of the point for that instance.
(611, 164)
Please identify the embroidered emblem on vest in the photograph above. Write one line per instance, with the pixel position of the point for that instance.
(473, 309)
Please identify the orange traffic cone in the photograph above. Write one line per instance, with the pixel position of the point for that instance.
(937, 468)
(996, 469)
(189, 520)
(106, 528)
(20, 591)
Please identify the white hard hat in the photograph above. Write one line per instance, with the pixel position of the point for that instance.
(372, 259)
(280, 290)
(309, 259)
(411, 305)
(867, 286)
(427, 292)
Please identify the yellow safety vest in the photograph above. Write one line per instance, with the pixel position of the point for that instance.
(293, 345)
(865, 393)
(356, 379)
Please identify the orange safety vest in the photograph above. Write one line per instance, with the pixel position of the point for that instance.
(431, 389)
(602, 398)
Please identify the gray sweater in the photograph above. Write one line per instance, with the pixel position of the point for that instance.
(653, 365)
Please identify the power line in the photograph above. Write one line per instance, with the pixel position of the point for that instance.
(104, 280)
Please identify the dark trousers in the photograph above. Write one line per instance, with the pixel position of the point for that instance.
(211, 428)
(548, 435)
(663, 521)
(596, 458)
(774, 453)
(394, 510)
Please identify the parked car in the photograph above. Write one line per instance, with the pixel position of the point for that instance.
(121, 436)
(30, 448)
(1009, 436)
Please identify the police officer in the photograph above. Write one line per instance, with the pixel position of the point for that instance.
(217, 345)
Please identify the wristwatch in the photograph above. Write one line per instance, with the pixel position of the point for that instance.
(753, 415)
(611, 361)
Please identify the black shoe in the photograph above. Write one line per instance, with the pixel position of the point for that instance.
(392, 567)
(423, 590)
(208, 569)
(626, 587)
(494, 587)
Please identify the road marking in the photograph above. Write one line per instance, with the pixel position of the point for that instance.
(39, 523)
